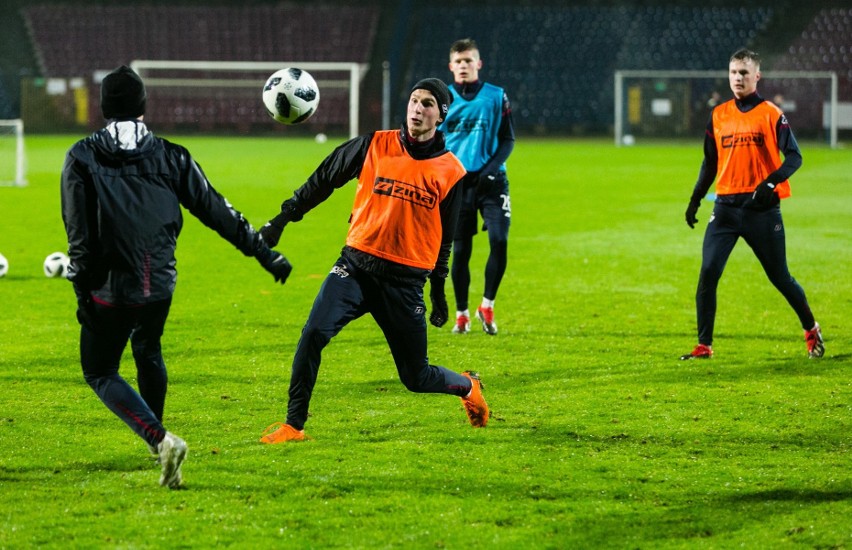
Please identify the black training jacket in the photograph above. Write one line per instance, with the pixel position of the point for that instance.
(122, 214)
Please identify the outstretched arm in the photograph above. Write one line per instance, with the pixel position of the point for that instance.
(205, 203)
(336, 170)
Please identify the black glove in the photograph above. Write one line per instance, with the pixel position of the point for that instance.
(276, 264)
(763, 194)
(440, 310)
(691, 211)
(85, 308)
(271, 232)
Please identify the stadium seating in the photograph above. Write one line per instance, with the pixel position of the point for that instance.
(106, 36)
(81, 40)
(555, 60)
(557, 63)
(823, 45)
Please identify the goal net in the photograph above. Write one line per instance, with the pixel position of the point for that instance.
(13, 163)
(677, 104)
(226, 95)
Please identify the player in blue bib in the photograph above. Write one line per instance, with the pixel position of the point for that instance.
(479, 131)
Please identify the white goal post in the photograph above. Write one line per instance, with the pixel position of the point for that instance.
(13, 161)
(247, 78)
(669, 104)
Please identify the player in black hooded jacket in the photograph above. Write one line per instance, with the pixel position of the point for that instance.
(122, 192)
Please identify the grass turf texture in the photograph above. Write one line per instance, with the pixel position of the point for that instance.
(600, 436)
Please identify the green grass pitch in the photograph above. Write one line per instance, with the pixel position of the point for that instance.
(600, 437)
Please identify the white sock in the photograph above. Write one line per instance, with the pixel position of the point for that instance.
(466, 313)
(486, 303)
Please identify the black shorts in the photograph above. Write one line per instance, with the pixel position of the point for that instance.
(492, 203)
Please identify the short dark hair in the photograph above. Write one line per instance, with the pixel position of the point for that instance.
(744, 54)
(463, 45)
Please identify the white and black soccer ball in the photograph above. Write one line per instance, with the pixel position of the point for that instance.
(56, 265)
(291, 95)
(4, 265)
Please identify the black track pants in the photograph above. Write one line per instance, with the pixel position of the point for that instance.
(101, 347)
(398, 309)
(763, 231)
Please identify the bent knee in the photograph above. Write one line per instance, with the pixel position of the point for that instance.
(415, 383)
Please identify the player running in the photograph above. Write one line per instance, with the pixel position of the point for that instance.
(122, 192)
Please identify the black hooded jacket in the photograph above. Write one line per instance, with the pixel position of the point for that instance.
(121, 199)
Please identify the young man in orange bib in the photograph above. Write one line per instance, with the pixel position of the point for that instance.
(401, 232)
(745, 139)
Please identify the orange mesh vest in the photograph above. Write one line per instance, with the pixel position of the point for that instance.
(748, 148)
(396, 214)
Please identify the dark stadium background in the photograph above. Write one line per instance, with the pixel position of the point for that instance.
(556, 59)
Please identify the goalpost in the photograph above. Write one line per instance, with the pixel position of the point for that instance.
(228, 93)
(676, 104)
(13, 162)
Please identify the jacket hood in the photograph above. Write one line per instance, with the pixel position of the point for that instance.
(124, 140)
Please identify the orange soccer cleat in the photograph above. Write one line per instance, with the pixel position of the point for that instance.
(474, 404)
(281, 433)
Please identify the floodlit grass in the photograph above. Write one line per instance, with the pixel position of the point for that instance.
(600, 436)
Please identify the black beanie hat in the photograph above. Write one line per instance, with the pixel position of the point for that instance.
(123, 94)
(438, 89)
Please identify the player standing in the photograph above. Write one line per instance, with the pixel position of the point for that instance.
(479, 131)
(745, 139)
(401, 229)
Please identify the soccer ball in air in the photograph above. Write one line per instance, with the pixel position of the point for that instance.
(56, 265)
(4, 265)
(291, 96)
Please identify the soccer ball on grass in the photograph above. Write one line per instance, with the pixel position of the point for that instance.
(56, 265)
(291, 96)
(4, 265)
